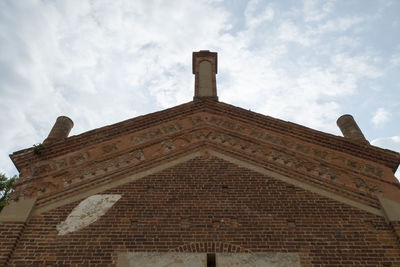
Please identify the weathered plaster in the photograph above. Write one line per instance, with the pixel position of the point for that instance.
(19, 211)
(179, 259)
(257, 260)
(155, 259)
(391, 209)
(87, 212)
(205, 79)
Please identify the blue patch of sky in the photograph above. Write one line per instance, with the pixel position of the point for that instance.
(237, 19)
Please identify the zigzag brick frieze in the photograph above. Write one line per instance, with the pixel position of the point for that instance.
(385, 157)
(345, 161)
(336, 171)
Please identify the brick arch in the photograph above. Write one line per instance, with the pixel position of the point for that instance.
(206, 247)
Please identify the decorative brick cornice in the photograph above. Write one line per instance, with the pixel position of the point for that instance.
(334, 171)
(117, 151)
(26, 157)
(126, 174)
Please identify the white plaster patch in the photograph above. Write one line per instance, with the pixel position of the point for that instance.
(87, 212)
(257, 260)
(155, 259)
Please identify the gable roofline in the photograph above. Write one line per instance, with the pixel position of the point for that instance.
(386, 157)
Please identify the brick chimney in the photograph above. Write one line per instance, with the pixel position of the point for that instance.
(350, 129)
(60, 130)
(205, 70)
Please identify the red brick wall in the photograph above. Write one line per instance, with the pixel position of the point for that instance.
(212, 205)
(10, 233)
(396, 229)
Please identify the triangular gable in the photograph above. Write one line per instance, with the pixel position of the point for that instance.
(338, 173)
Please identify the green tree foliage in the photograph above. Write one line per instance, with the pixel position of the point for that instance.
(6, 187)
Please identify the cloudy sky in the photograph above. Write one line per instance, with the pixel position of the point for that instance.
(100, 62)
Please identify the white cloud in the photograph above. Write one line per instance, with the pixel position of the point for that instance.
(311, 34)
(254, 16)
(395, 60)
(288, 31)
(97, 62)
(335, 25)
(315, 10)
(100, 62)
(392, 143)
(381, 117)
(317, 81)
(361, 66)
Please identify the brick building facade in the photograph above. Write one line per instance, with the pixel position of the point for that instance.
(203, 184)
